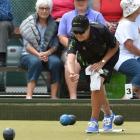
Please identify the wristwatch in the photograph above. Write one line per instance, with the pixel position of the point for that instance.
(103, 61)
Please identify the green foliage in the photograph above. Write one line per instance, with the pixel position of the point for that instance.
(116, 87)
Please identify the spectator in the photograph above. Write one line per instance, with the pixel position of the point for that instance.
(127, 34)
(6, 28)
(111, 11)
(60, 7)
(99, 52)
(39, 32)
(64, 32)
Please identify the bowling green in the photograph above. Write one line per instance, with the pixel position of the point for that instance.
(53, 130)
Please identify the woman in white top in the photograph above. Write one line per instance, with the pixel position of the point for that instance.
(128, 36)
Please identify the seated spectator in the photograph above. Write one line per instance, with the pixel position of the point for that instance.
(111, 11)
(39, 32)
(60, 7)
(64, 32)
(6, 28)
(128, 36)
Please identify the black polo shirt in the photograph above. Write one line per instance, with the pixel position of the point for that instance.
(93, 49)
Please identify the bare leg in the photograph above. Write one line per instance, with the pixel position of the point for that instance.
(30, 88)
(98, 100)
(54, 90)
(72, 86)
(106, 107)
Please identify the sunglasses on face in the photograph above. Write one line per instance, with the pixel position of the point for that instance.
(79, 32)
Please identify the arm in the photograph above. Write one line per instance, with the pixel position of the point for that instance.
(99, 65)
(44, 55)
(113, 46)
(63, 40)
(101, 19)
(109, 54)
(130, 46)
(71, 63)
(32, 50)
(62, 31)
(51, 51)
(71, 67)
(126, 34)
(53, 46)
(41, 55)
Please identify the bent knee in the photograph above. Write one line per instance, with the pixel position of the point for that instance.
(35, 63)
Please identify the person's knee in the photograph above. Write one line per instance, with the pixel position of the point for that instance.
(136, 82)
(55, 63)
(136, 78)
(35, 63)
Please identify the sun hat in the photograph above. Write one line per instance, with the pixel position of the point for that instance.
(129, 6)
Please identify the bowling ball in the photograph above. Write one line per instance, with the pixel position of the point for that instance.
(119, 120)
(72, 119)
(8, 134)
(64, 119)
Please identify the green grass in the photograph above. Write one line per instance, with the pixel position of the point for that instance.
(53, 130)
